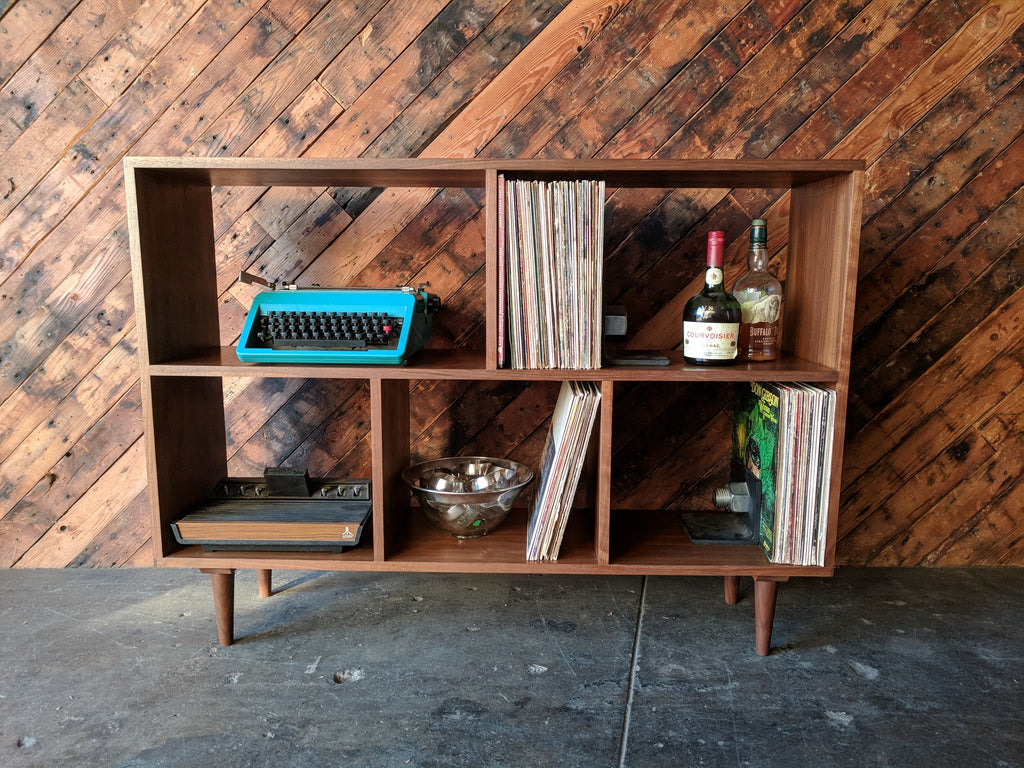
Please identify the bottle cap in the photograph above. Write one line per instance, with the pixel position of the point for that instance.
(716, 245)
(758, 232)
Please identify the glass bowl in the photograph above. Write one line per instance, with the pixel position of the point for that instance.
(467, 496)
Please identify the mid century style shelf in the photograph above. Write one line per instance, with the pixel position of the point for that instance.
(183, 365)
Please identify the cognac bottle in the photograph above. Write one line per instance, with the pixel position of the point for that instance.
(711, 319)
(760, 296)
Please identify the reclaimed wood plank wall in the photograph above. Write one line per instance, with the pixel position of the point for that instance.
(928, 93)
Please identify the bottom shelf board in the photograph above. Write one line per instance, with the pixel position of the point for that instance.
(658, 539)
(643, 542)
(417, 541)
(359, 558)
(656, 542)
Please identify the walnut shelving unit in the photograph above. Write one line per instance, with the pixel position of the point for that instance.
(183, 364)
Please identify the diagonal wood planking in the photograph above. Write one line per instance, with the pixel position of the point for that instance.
(928, 93)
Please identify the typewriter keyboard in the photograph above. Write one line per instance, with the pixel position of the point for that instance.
(281, 329)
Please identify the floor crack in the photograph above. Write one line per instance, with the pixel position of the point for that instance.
(633, 659)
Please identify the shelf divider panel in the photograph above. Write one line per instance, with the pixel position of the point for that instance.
(389, 413)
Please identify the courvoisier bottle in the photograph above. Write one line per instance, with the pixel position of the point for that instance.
(711, 319)
(760, 296)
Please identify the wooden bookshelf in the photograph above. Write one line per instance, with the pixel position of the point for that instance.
(183, 365)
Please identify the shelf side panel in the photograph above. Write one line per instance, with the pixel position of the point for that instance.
(825, 229)
(185, 449)
(173, 263)
(389, 409)
(603, 500)
(821, 269)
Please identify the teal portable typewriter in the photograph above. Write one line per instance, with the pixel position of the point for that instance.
(336, 325)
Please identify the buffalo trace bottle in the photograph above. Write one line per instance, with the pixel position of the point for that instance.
(711, 319)
(760, 296)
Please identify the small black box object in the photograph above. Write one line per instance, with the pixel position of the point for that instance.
(635, 357)
(286, 481)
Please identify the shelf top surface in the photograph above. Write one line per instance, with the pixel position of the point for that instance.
(458, 364)
(472, 172)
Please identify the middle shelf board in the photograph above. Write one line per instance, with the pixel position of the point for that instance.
(467, 365)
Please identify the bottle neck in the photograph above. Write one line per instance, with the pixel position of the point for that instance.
(757, 257)
(714, 277)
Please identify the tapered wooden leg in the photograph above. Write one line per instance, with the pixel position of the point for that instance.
(223, 581)
(263, 582)
(732, 590)
(765, 592)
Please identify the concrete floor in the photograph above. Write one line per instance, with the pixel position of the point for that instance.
(872, 668)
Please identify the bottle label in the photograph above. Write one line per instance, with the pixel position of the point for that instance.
(761, 308)
(710, 341)
(714, 276)
(759, 334)
(759, 341)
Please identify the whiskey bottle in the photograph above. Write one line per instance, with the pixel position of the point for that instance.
(711, 319)
(760, 296)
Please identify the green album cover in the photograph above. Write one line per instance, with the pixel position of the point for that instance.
(754, 451)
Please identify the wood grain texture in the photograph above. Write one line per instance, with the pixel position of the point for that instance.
(929, 93)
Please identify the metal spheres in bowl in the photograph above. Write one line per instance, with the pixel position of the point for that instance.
(467, 496)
